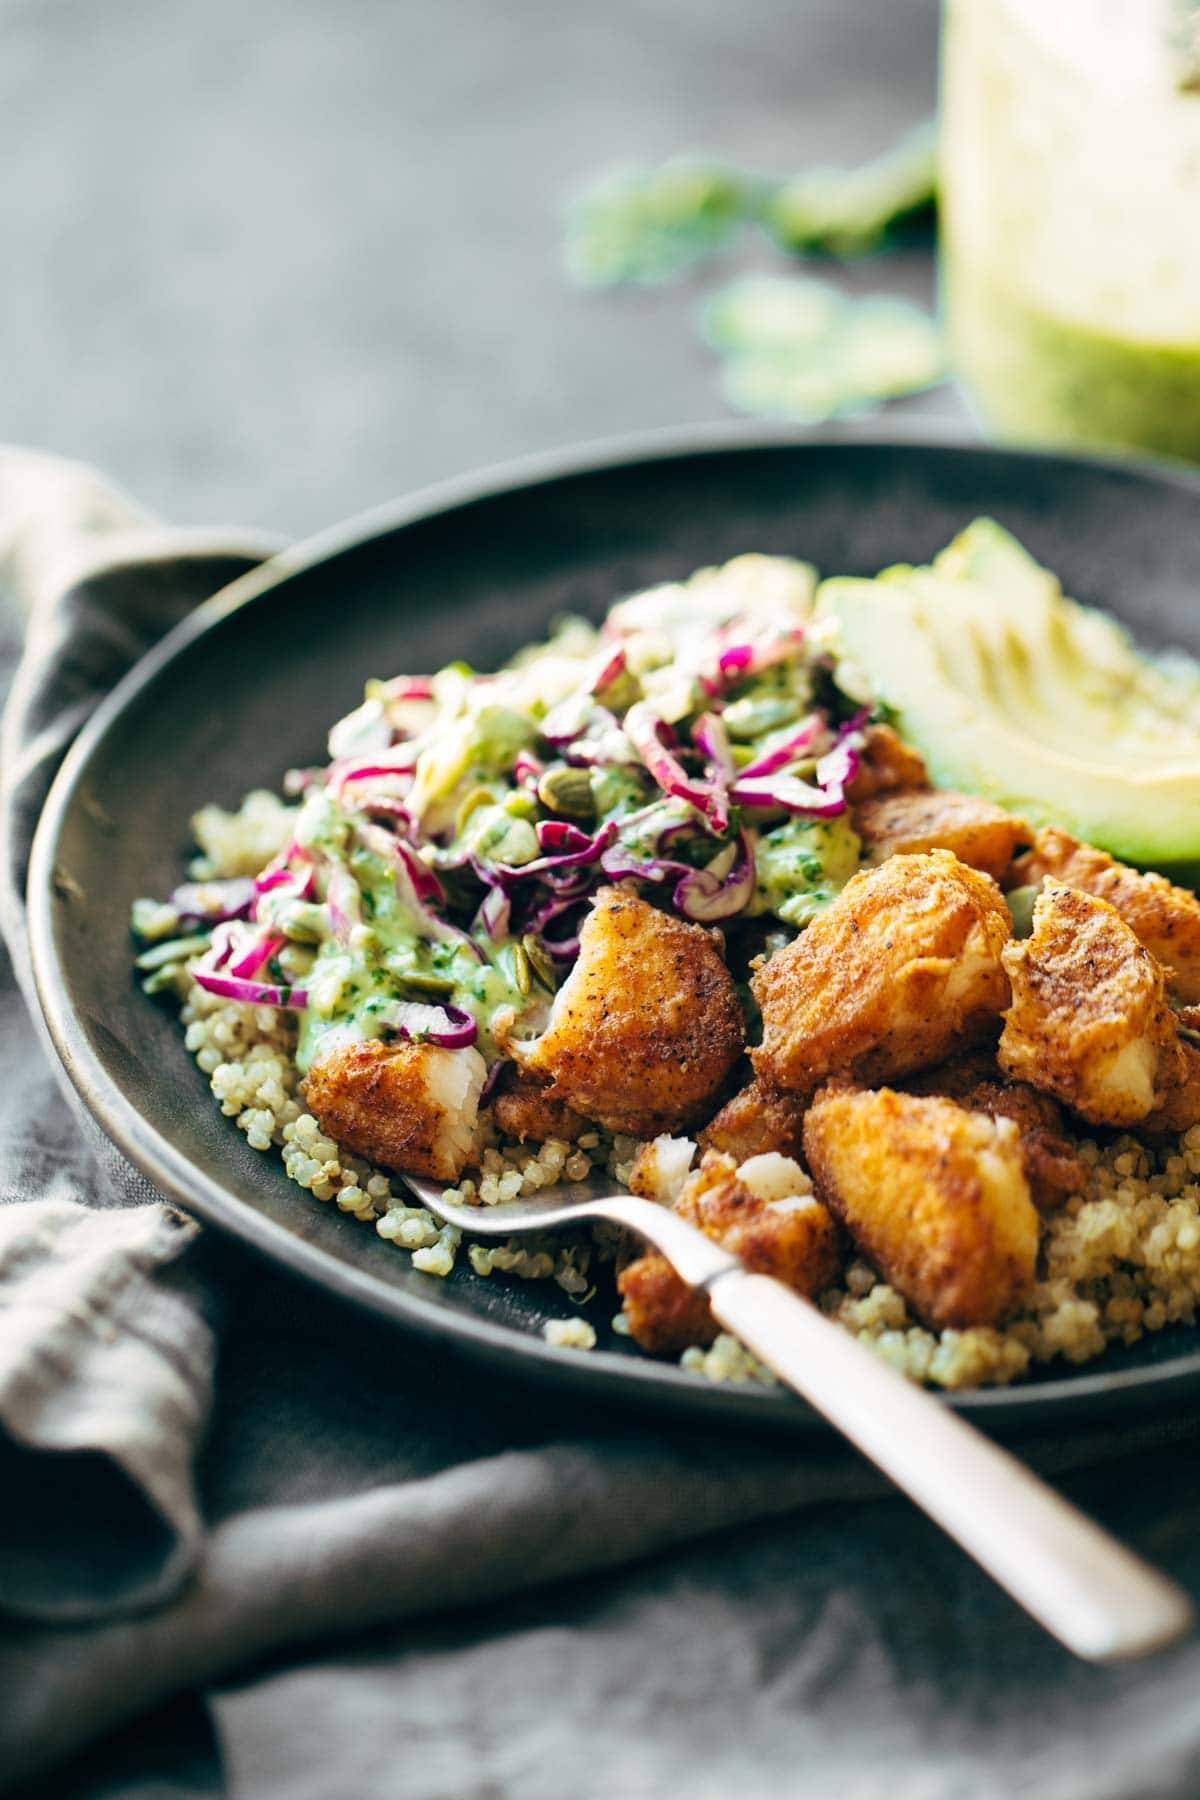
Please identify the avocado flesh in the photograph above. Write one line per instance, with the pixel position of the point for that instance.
(1015, 693)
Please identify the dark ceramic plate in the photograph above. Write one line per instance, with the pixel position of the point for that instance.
(247, 687)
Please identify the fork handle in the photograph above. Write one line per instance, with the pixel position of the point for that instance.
(1089, 1591)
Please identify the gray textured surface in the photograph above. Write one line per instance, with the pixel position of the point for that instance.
(276, 262)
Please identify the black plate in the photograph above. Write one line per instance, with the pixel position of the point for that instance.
(247, 687)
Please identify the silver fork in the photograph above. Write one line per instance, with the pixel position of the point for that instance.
(1089, 1591)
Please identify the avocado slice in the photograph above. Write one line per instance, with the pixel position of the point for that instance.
(1013, 691)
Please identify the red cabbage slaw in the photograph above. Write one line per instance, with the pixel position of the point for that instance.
(723, 796)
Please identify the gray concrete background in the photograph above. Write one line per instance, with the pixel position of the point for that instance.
(272, 263)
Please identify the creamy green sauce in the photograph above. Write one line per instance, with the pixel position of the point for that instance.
(388, 958)
(803, 865)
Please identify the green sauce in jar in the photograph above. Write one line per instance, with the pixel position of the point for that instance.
(1071, 222)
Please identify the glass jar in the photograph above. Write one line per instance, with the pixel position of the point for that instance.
(1070, 208)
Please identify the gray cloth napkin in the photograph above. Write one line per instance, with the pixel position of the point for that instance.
(389, 1592)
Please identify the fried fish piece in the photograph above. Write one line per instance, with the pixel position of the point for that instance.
(1089, 1020)
(758, 1118)
(408, 1106)
(899, 973)
(647, 1027)
(936, 1197)
(525, 1107)
(980, 834)
(1051, 1159)
(1177, 1106)
(789, 1235)
(885, 762)
(1165, 918)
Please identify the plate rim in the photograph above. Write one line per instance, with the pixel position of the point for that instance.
(1012, 1409)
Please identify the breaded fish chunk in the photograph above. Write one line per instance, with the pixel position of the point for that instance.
(790, 1236)
(758, 1119)
(408, 1106)
(900, 972)
(664, 1314)
(1177, 1105)
(911, 820)
(1051, 1159)
(1164, 917)
(934, 1196)
(885, 762)
(526, 1108)
(1089, 1020)
(646, 1028)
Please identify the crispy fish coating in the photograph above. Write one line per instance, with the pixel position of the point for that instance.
(902, 971)
(525, 1108)
(1051, 1159)
(936, 1197)
(792, 1237)
(758, 1118)
(1089, 1020)
(407, 1106)
(665, 1315)
(1164, 917)
(885, 762)
(1178, 1097)
(647, 1027)
(981, 835)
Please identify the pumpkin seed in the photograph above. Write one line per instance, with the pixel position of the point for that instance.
(542, 964)
(427, 983)
(567, 791)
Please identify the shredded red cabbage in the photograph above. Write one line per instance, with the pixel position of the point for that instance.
(698, 894)
(280, 873)
(738, 660)
(578, 849)
(409, 687)
(712, 740)
(250, 993)
(789, 793)
(214, 902)
(387, 808)
(252, 957)
(607, 666)
(704, 897)
(647, 732)
(446, 1025)
(217, 975)
(417, 885)
(823, 798)
(494, 915)
(528, 768)
(786, 750)
(492, 1078)
(393, 764)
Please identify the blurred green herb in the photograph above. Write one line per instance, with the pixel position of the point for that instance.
(800, 349)
(649, 226)
(850, 211)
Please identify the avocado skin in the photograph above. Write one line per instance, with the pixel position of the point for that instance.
(1013, 692)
